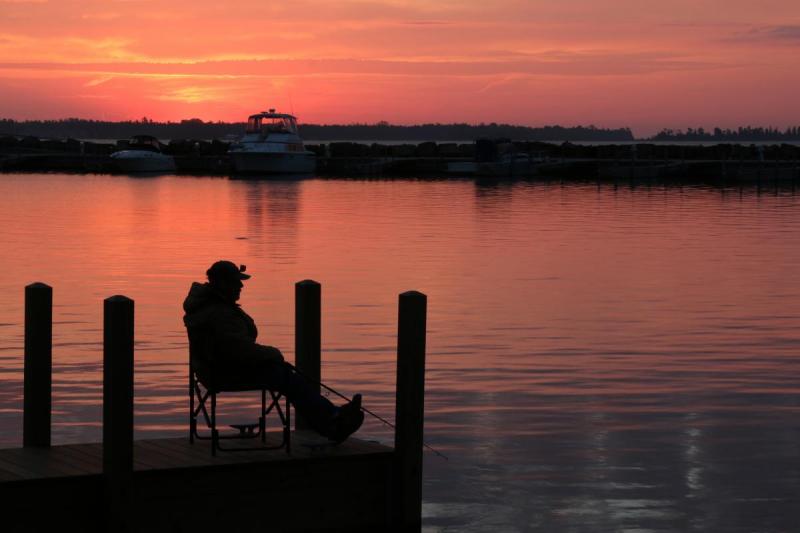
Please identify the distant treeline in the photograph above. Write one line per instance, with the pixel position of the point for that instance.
(741, 134)
(77, 128)
(382, 131)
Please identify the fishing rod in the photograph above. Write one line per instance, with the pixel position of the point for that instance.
(342, 396)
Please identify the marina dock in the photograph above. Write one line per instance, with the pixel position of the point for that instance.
(171, 484)
(723, 163)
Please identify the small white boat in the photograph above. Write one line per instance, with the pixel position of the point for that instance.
(462, 167)
(499, 158)
(511, 165)
(271, 145)
(143, 154)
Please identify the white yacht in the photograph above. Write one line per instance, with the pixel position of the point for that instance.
(143, 154)
(271, 145)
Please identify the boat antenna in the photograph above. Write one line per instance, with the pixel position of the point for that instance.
(291, 104)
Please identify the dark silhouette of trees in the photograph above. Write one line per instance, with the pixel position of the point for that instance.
(97, 129)
(195, 128)
(383, 131)
(741, 134)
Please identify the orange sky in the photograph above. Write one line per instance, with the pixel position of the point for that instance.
(641, 63)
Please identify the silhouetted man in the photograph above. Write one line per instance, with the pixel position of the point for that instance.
(238, 358)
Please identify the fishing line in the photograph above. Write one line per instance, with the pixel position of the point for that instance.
(342, 396)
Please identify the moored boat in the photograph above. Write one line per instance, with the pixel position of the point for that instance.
(499, 158)
(511, 165)
(144, 153)
(271, 145)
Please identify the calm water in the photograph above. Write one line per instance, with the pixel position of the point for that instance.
(599, 359)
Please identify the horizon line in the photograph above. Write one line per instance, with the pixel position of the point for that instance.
(147, 120)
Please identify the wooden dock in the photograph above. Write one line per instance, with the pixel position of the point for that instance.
(173, 485)
(178, 486)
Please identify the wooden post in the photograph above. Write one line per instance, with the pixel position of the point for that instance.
(308, 334)
(38, 365)
(118, 408)
(409, 413)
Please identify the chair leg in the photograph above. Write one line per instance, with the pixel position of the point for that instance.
(210, 413)
(287, 428)
(214, 432)
(192, 418)
(262, 420)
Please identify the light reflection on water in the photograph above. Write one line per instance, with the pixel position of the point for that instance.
(600, 358)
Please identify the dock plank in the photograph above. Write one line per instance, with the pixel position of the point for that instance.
(163, 458)
(15, 470)
(42, 462)
(5, 475)
(90, 463)
(90, 453)
(172, 478)
(171, 453)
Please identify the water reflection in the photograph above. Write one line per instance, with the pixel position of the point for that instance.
(599, 359)
(272, 217)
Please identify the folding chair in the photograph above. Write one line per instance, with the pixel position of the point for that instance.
(204, 388)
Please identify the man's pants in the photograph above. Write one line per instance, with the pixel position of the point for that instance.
(317, 410)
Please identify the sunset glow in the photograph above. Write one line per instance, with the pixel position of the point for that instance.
(642, 64)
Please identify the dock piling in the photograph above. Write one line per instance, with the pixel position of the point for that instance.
(308, 334)
(409, 414)
(38, 365)
(117, 407)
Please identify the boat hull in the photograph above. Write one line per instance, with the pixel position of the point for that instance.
(466, 168)
(134, 161)
(273, 162)
(508, 169)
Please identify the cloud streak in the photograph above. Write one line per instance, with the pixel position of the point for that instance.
(779, 34)
(562, 63)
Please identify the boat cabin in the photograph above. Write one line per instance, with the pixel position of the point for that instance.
(144, 142)
(271, 122)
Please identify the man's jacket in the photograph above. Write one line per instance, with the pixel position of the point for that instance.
(223, 336)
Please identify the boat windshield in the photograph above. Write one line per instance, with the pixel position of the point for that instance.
(268, 125)
(144, 142)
